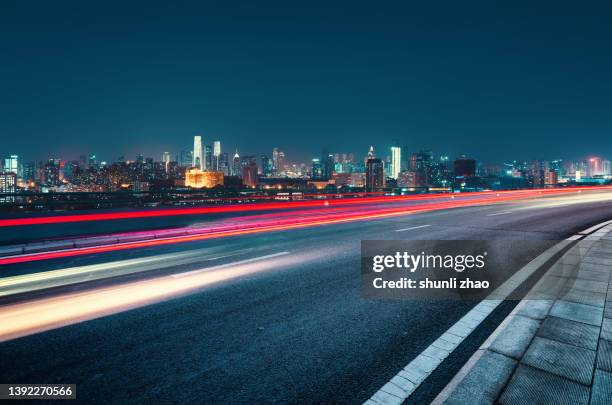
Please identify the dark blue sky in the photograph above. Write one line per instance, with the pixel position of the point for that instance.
(520, 80)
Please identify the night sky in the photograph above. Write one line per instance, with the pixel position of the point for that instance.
(521, 80)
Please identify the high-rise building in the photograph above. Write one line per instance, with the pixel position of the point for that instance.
(267, 167)
(278, 161)
(550, 178)
(396, 161)
(92, 161)
(606, 167)
(185, 158)
(71, 169)
(166, 160)
(328, 166)
(236, 170)
(275, 153)
(198, 158)
(208, 158)
(595, 166)
(464, 166)
(249, 174)
(375, 175)
(216, 155)
(11, 164)
(224, 165)
(52, 172)
(317, 170)
(29, 171)
(8, 182)
(557, 166)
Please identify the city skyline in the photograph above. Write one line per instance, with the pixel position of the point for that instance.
(385, 151)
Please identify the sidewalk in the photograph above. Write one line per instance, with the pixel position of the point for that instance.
(556, 346)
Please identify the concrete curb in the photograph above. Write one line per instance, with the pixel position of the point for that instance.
(513, 350)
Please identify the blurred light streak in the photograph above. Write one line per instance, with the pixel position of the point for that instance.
(290, 223)
(276, 205)
(43, 314)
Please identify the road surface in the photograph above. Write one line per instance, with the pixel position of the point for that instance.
(272, 317)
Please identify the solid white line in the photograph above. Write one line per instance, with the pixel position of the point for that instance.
(500, 213)
(595, 227)
(222, 266)
(400, 387)
(411, 228)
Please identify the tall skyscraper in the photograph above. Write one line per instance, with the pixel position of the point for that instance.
(327, 162)
(11, 164)
(396, 161)
(249, 174)
(375, 175)
(29, 171)
(216, 155)
(185, 158)
(317, 169)
(275, 159)
(52, 172)
(198, 160)
(236, 171)
(267, 166)
(278, 161)
(166, 160)
(208, 157)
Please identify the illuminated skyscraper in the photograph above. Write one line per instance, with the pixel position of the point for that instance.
(11, 164)
(236, 170)
(166, 160)
(198, 160)
(275, 159)
(216, 155)
(278, 161)
(396, 161)
(8, 180)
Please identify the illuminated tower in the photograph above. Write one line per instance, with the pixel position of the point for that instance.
(396, 161)
(216, 155)
(236, 169)
(197, 152)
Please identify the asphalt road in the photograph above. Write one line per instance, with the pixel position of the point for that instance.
(290, 328)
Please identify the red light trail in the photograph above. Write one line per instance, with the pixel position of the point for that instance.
(332, 201)
(287, 224)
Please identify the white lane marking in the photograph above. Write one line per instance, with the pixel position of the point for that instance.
(404, 383)
(499, 213)
(411, 228)
(222, 266)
